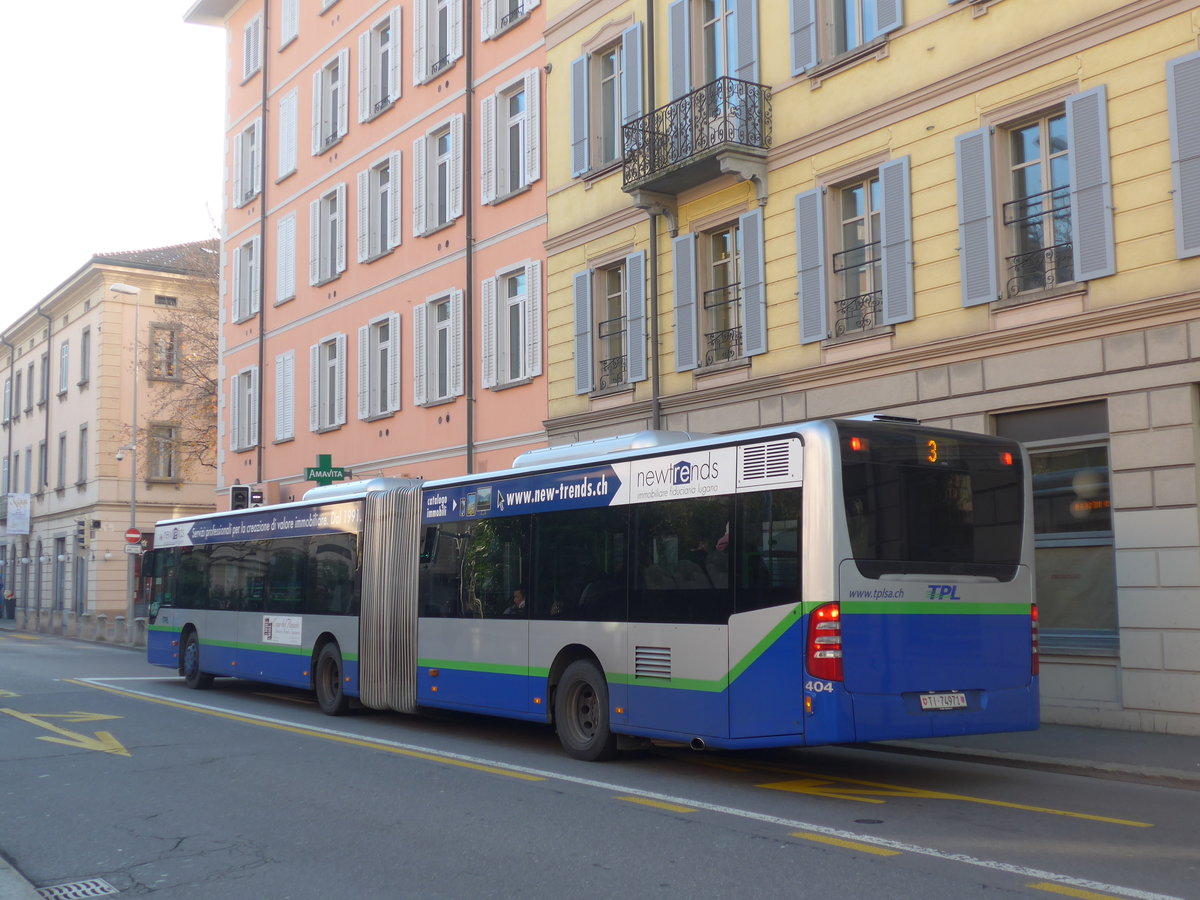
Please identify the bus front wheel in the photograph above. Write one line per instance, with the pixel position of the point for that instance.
(581, 713)
(192, 676)
(328, 681)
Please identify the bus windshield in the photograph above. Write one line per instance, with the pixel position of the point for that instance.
(931, 502)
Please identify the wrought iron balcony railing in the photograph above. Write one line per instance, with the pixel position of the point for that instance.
(722, 312)
(1041, 229)
(723, 112)
(611, 333)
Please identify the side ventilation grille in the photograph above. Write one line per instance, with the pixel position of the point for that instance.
(652, 662)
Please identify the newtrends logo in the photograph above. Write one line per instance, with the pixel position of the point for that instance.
(680, 473)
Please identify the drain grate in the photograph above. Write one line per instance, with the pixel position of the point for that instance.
(79, 890)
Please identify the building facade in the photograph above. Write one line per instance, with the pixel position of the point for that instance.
(983, 214)
(96, 437)
(382, 265)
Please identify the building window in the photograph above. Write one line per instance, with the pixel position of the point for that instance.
(43, 469)
(327, 236)
(610, 325)
(243, 410)
(16, 473)
(163, 300)
(61, 482)
(500, 15)
(327, 383)
(246, 288)
(252, 47)
(720, 299)
(164, 453)
(854, 254)
(289, 133)
(379, 367)
(512, 325)
(1073, 524)
(1053, 218)
(379, 67)
(379, 208)
(606, 93)
(164, 352)
(438, 349)
(511, 139)
(85, 356)
(285, 258)
(83, 455)
(16, 405)
(711, 39)
(8, 399)
(285, 396)
(825, 29)
(247, 163)
(289, 22)
(29, 388)
(44, 392)
(64, 367)
(330, 120)
(437, 177)
(29, 471)
(439, 37)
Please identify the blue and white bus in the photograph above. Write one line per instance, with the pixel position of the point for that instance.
(826, 582)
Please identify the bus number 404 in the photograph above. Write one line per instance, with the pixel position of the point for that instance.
(818, 687)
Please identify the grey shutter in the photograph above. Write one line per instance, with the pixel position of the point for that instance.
(314, 388)
(579, 116)
(533, 319)
(340, 227)
(746, 17)
(631, 73)
(364, 371)
(235, 404)
(487, 149)
(285, 368)
(287, 133)
(456, 166)
(419, 335)
(804, 35)
(317, 108)
(364, 76)
(679, 46)
(396, 55)
(364, 216)
(487, 336)
(976, 217)
(339, 343)
(1091, 185)
(393, 383)
(239, 175)
(254, 275)
(635, 316)
(684, 276)
(418, 166)
(889, 15)
(583, 332)
(456, 343)
(285, 259)
(754, 285)
(1183, 109)
(420, 10)
(343, 108)
(533, 127)
(487, 19)
(456, 32)
(810, 266)
(253, 424)
(314, 242)
(394, 198)
(896, 241)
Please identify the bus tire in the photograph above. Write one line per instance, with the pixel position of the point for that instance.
(581, 713)
(327, 679)
(192, 676)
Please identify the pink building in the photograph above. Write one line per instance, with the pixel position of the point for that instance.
(383, 255)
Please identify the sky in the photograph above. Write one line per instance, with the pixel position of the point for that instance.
(113, 136)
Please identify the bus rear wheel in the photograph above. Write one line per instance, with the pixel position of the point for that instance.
(192, 676)
(581, 713)
(331, 696)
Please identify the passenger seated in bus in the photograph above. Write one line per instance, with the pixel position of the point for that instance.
(517, 607)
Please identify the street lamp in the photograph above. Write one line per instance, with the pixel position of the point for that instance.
(134, 292)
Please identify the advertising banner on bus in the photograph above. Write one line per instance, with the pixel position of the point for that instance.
(283, 522)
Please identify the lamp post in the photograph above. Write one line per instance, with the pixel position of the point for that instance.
(131, 597)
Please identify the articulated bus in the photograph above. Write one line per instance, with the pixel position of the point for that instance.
(826, 582)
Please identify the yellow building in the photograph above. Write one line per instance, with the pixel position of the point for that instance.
(981, 213)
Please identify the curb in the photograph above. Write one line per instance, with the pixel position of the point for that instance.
(13, 885)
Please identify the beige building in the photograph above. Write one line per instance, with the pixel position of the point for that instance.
(104, 352)
(984, 214)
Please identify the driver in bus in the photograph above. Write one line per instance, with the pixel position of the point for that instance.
(517, 607)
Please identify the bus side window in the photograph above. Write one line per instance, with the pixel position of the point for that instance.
(768, 549)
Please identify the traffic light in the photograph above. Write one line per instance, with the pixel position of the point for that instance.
(239, 496)
(256, 498)
(81, 532)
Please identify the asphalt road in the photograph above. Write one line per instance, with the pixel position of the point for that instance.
(111, 769)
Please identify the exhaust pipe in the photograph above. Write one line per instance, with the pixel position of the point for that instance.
(697, 743)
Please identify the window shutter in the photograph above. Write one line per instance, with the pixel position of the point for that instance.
(746, 16)
(393, 385)
(364, 215)
(420, 41)
(679, 44)
(487, 149)
(343, 108)
(285, 259)
(583, 332)
(394, 55)
(340, 227)
(533, 319)
(365, 361)
(284, 366)
(487, 19)
(287, 133)
(456, 343)
(456, 29)
(419, 335)
(487, 319)
(754, 287)
(289, 22)
(976, 218)
(1091, 185)
(314, 388)
(804, 35)
(631, 74)
(340, 378)
(239, 176)
(635, 316)
(896, 241)
(419, 185)
(889, 15)
(234, 408)
(394, 197)
(235, 300)
(533, 127)
(252, 437)
(253, 274)
(685, 301)
(579, 116)
(364, 76)
(456, 166)
(259, 163)
(316, 113)
(810, 266)
(1183, 107)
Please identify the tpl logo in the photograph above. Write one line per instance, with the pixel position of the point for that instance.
(943, 592)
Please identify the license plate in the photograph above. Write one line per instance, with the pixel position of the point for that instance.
(944, 701)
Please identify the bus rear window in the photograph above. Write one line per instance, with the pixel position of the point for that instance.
(924, 501)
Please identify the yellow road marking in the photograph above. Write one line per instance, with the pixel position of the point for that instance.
(102, 741)
(658, 804)
(24, 637)
(307, 732)
(869, 791)
(294, 698)
(1052, 888)
(844, 844)
(9, 694)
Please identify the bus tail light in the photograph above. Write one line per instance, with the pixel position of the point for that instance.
(1035, 665)
(823, 648)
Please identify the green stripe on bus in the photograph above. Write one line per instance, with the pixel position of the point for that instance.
(266, 648)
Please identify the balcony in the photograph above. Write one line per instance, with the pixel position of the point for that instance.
(721, 128)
